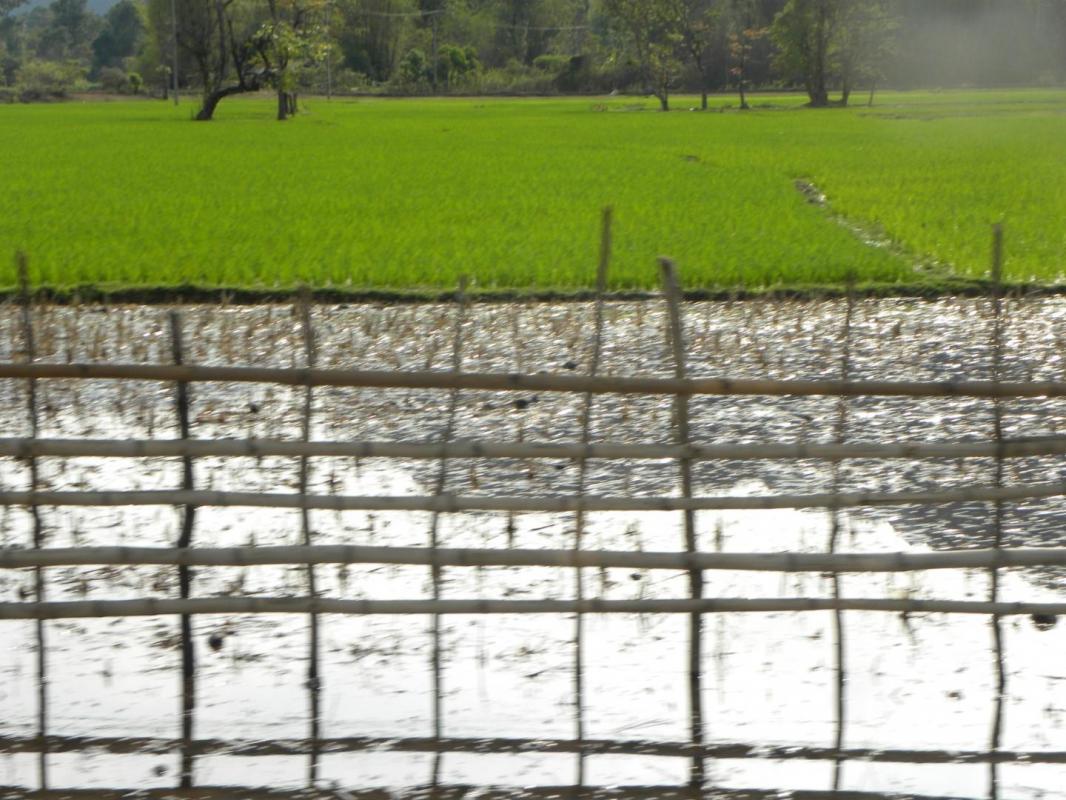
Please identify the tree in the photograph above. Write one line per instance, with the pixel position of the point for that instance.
(220, 38)
(288, 40)
(655, 38)
(697, 21)
(804, 31)
(865, 44)
(72, 27)
(10, 42)
(746, 30)
(371, 33)
(121, 36)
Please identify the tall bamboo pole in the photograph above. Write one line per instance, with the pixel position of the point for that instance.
(582, 481)
(1000, 667)
(30, 350)
(314, 677)
(676, 342)
(836, 524)
(437, 571)
(185, 574)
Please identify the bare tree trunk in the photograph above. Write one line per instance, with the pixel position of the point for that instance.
(207, 108)
(703, 99)
(212, 99)
(873, 89)
(664, 101)
(283, 106)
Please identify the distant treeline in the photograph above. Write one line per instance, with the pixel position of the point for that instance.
(223, 47)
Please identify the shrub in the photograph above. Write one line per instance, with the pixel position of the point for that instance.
(47, 80)
(112, 79)
(552, 64)
(414, 68)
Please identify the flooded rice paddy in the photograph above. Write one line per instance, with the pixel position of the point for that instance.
(914, 682)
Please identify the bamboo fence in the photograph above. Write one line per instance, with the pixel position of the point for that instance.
(679, 447)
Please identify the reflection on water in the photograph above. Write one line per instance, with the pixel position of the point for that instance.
(921, 682)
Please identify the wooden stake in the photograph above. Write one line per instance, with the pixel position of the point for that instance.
(676, 341)
(836, 524)
(1000, 667)
(582, 479)
(314, 677)
(30, 349)
(185, 574)
(437, 571)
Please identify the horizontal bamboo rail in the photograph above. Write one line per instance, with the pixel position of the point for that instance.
(422, 556)
(452, 503)
(453, 792)
(151, 607)
(457, 744)
(384, 379)
(260, 448)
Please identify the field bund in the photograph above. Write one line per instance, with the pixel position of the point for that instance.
(406, 195)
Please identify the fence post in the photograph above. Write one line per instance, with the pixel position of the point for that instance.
(185, 574)
(676, 340)
(314, 677)
(999, 508)
(836, 525)
(582, 476)
(437, 571)
(30, 348)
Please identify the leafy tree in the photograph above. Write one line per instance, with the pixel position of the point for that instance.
(457, 65)
(414, 68)
(9, 42)
(804, 33)
(371, 34)
(747, 31)
(697, 23)
(72, 27)
(220, 38)
(121, 36)
(287, 41)
(655, 38)
(865, 44)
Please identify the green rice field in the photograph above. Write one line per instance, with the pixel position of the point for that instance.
(409, 194)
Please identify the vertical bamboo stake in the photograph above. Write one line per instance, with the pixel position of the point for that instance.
(185, 574)
(434, 531)
(30, 345)
(314, 678)
(675, 338)
(834, 539)
(999, 508)
(579, 523)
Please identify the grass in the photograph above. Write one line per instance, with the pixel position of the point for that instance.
(409, 194)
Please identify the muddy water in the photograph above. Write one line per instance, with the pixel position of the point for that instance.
(922, 682)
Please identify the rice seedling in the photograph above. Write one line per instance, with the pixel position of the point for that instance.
(406, 195)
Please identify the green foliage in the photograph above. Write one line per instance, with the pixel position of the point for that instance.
(655, 36)
(113, 79)
(407, 194)
(457, 66)
(121, 36)
(414, 68)
(48, 80)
